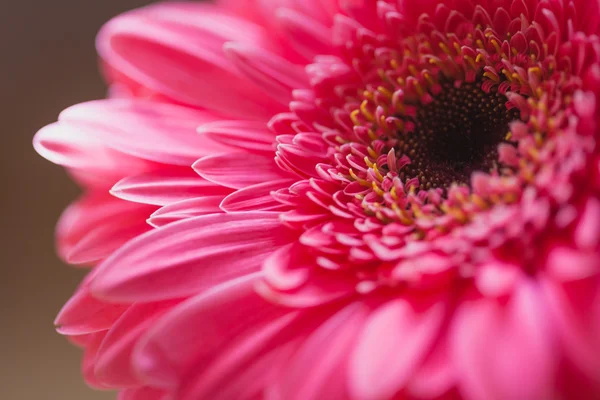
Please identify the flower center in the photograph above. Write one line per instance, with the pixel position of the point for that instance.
(455, 134)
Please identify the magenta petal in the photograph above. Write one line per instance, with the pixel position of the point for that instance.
(395, 340)
(238, 170)
(187, 257)
(165, 187)
(490, 341)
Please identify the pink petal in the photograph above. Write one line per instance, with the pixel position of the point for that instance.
(186, 209)
(203, 325)
(490, 341)
(137, 127)
(151, 46)
(238, 170)
(304, 34)
(97, 224)
(113, 362)
(575, 309)
(186, 257)
(89, 359)
(84, 314)
(395, 340)
(165, 187)
(256, 197)
(436, 376)
(244, 135)
(303, 378)
(78, 149)
(276, 75)
(143, 393)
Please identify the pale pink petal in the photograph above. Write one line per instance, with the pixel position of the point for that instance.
(492, 342)
(238, 170)
(395, 339)
(186, 209)
(165, 187)
(256, 197)
(137, 127)
(305, 35)
(77, 148)
(170, 262)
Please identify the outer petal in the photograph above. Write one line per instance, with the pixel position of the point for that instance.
(203, 325)
(166, 187)
(186, 209)
(97, 225)
(159, 132)
(151, 46)
(238, 170)
(491, 341)
(395, 340)
(84, 314)
(113, 362)
(304, 377)
(187, 257)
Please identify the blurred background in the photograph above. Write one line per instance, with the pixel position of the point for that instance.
(47, 63)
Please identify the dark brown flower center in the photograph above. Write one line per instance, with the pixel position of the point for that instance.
(456, 134)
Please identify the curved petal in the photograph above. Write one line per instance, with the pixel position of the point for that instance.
(490, 340)
(256, 197)
(97, 224)
(203, 325)
(186, 209)
(113, 364)
(303, 378)
(396, 338)
(151, 46)
(84, 314)
(238, 170)
(165, 187)
(159, 132)
(186, 257)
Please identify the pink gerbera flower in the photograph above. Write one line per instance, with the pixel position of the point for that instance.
(339, 199)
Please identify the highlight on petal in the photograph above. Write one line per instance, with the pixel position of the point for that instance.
(165, 187)
(151, 47)
(238, 170)
(395, 339)
(187, 257)
(186, 209)
(96, 225)
(489, 340)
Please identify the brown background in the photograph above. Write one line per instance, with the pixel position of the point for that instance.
(47, 62)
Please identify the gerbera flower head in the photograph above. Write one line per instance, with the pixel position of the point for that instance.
(339, 199)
